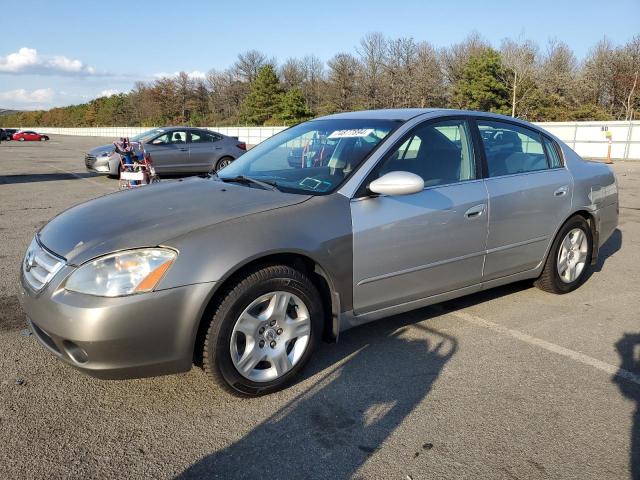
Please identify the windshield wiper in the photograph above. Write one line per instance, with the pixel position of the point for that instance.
(246, 180)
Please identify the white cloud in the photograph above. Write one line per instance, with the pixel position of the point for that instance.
(29, 61)
(194, 74)
(24, 98)
(110, 92)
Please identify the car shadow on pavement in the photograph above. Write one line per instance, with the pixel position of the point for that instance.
(42, 177)
(608, 249)
(628, 380)
(367, 386)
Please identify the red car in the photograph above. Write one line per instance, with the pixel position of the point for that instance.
(29, 136)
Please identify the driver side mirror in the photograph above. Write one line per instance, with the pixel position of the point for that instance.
(397, 183)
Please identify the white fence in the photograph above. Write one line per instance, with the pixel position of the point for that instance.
(587, 138)
(250, 135)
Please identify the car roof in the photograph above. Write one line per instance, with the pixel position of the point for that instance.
(405, 114)
(178, 127)
(382, 114)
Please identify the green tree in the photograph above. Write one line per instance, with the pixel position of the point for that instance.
(293, 108)
(264, 100)
(479, 87)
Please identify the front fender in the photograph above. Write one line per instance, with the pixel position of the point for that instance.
(319, 229)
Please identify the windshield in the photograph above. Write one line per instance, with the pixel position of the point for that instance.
(146, 136)
(314, 157)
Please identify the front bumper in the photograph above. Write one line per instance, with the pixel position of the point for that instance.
(115, 338)
(103, 165)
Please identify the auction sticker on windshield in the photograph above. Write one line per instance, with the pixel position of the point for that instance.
(351, 133)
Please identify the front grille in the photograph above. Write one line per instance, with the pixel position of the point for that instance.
(39, 265)
(89, 160)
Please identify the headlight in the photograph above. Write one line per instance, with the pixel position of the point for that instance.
(122, 273)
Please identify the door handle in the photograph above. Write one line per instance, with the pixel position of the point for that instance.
(183, 149)
(561, 191)
(475, 212)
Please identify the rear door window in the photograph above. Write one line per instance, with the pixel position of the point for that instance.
(199, 136)
(511, 149)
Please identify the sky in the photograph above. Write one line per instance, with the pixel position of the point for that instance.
(66, 52)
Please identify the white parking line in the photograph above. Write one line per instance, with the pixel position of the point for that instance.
(551, 347)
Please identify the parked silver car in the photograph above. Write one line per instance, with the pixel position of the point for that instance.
(382, 212)
(173, 150)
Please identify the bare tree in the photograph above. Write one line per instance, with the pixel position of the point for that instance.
(558, 71)
(626, 76)
(399, 65)
(597, 76)
(249, 63)
(226, 94)
(342, 84)
(372, 52)
(314, 80)
(519, 59)
(184, 91)
(292, 73)
(428, 81)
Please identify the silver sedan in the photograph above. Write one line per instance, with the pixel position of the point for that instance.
(174, 150)
(330, 224)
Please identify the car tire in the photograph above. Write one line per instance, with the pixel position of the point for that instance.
(21, 139)
(43, 139)
(223, 358)
(569, 258)
(221, 163)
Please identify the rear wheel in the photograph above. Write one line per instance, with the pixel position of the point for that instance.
(568, 261)
(264, 331)
(43, 139)
(223, 162)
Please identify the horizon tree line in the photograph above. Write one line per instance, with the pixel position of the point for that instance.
(518, 79)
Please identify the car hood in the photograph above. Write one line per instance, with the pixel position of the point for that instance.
(153, 215)
(100, 150)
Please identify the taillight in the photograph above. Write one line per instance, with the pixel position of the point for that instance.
(242, 146)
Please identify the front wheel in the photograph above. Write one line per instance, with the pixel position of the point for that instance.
(264, 331)
(21, 139)
(568, 261)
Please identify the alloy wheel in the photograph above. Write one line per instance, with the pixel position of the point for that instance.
(270, 336)
(572, 255)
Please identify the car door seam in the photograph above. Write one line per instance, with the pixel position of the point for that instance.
(486, 238)
(418, 268)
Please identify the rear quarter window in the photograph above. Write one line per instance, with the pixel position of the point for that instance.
(553, 152)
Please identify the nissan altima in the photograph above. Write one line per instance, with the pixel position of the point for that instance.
(330, 224)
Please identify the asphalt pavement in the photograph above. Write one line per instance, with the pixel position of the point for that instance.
(511, 383)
